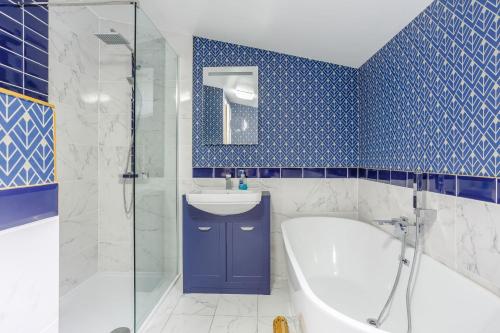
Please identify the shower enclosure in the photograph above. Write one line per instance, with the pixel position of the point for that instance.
(113, 79)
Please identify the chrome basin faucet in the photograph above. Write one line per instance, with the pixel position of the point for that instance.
(229, 182)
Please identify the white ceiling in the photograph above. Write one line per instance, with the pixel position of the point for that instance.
(345, 32)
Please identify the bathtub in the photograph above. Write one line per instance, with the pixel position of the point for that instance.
(341, 272)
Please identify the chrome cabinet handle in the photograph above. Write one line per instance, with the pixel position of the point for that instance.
(204, 228)
(247, 228)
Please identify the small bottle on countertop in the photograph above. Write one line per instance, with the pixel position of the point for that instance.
(243, 181)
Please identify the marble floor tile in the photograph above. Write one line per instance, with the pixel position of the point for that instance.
(276, 304)
(237, 305)
(234, 324)
(197, 304)
(265, 325)
(188, 324)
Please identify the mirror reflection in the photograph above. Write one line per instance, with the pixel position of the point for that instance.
(230, 105)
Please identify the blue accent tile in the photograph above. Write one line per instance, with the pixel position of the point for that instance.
(35, 84)
(11, 59)
(336, 172)
(35, 54)
(314, 173)
(249, 172)
(13, 27)
(411, 179)
(372, 174)
(269, 172)
(203, 173)
(35, 69)
(36, 95)
(15, 212)
(38, 11)
(477, 188)
(11, 43)
(222, 172)
(450, 185)
(11, 87)
(291, 173)
(362, 172)
(443, 184)
(399, 178)
(353, 172)
(384, 176)
(498, 191)
(14, 12)
(11, 76)
(36, 25)
(35, 39)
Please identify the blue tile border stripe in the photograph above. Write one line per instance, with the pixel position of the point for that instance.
(471, 187)
(15, 212)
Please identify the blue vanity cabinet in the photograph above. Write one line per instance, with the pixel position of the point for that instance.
(227, 254)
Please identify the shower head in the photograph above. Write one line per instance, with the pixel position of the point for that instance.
(113, 38)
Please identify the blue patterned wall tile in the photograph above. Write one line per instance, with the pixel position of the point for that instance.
(353, 172)
(429, 97)
(203, 172)
(244, 124)
(222, 172)
(249, 172)
(291, 173)
(26, 143)
(384, 176)
(336, 173)
(213, 104)
(477, 188)
(308, 110)
(313, 172)
(269, 173)
(399, 178)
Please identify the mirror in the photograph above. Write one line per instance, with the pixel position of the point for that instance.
(230, 105)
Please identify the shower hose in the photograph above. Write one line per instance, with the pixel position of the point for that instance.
(409, 288)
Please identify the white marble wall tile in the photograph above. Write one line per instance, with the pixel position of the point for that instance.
(77, 198)
(439, 235)
(77, 234)
(76, 162)
(75, 126)
(478, 241)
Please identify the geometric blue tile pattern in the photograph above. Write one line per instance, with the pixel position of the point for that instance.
(213, 120)
(24, 59)
(430, 98)
(308, 110)
(26, 142)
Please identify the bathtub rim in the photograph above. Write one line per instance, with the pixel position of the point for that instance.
(305, 285)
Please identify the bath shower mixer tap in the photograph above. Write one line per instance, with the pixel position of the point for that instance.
(403, 222)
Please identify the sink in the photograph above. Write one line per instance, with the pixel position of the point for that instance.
(224, 202)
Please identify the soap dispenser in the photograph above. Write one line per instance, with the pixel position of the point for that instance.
(243, 181)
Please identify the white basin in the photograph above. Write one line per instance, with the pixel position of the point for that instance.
(224, 202)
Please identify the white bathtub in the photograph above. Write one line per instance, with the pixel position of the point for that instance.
(341, 272)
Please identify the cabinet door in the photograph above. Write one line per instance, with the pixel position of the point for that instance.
(246, 257)
(204, 254)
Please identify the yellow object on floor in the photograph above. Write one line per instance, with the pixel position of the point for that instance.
(280, 325)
